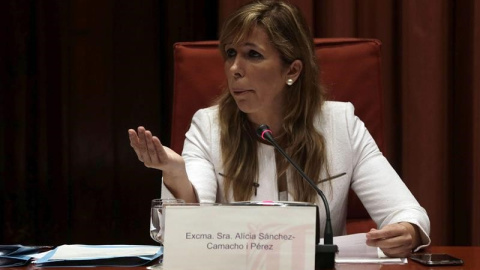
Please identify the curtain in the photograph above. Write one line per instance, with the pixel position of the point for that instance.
(72, 78)
(75, 75)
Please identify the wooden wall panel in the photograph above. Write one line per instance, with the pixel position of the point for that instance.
(90, 102)
(476, 126)
(115, 85)
(425, 83)
(465, 123)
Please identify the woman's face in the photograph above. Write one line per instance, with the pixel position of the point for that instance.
(256, 76)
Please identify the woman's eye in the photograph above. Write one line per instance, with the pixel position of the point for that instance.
(231, 53)
(254, 54)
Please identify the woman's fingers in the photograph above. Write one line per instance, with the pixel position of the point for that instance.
(159, 149)
(395, 240)
(401, 251)
(135, 143)
(156, 151)
(145, 153)
(148, 148)
(149, 152)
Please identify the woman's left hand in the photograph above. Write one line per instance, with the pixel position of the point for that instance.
(395, 240)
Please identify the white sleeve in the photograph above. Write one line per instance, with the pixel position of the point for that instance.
(382, 192)
(197, 151)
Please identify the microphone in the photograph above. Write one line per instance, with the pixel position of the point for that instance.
(324, 254)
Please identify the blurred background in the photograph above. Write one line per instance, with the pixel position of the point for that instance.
(75, 75)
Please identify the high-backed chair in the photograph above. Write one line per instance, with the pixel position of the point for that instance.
(349, 68)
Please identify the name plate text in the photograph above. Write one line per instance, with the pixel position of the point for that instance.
(239, 237)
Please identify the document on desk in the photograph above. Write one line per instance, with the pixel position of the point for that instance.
(353, 249)
(100, 255)
(18, 255)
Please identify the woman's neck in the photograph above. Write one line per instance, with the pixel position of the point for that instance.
(273, 122)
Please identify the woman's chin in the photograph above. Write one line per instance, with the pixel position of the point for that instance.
(244, 106)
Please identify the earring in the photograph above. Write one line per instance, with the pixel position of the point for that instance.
(289, 82)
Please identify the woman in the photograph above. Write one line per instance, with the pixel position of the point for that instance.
(272, 74)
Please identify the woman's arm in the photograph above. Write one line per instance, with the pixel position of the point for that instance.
(403, 223)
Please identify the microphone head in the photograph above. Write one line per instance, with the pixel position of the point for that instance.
(264, 132)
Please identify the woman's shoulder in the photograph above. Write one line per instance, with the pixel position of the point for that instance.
(335, 107)
(205, 123)
(335, 111)
(206, 114)
(335, 115)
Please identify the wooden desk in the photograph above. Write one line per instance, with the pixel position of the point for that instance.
(470, 255)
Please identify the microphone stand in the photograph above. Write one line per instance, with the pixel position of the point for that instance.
(324, 254)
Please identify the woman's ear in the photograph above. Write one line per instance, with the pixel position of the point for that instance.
(294, 70)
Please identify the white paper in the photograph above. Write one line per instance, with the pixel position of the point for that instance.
(81, 252)
(39, 255)
(353, 249)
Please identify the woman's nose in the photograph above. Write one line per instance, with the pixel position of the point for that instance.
(236, 69)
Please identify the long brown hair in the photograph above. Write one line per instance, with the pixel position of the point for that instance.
(290, 35)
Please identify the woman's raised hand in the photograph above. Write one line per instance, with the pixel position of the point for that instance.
(153, 154)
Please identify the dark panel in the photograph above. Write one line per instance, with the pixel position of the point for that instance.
(138, 99)
(50, 180)
(335, 18)
(462, 122)
(90, 113)
(78, 74)
(426, 81)
(115, 86)
(18, 221)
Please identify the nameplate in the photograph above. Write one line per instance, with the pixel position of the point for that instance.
(219, 237)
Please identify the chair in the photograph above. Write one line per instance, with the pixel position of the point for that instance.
(349, 68)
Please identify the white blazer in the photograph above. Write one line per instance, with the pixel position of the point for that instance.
(350, 149)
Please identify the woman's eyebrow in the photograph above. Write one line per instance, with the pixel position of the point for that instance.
(250, 44)
(253, 45)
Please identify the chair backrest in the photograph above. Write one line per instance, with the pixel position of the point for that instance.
(349, 68)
